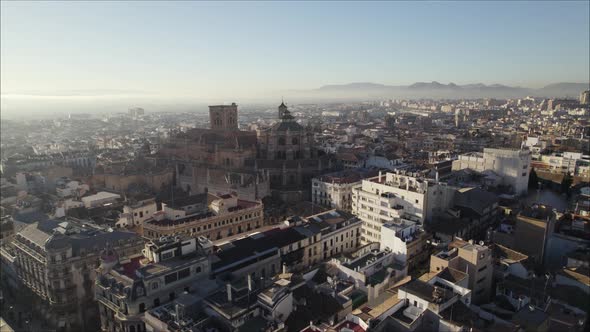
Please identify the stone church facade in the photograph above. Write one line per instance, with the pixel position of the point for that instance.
(280, 160)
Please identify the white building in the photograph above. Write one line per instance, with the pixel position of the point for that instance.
(383, 162)
(395, 195)
(371, 270)
(396, 236)
(136, 213)
(512, 165)
(567, 162)
(99, 199)
(72, 188)
(334, 190)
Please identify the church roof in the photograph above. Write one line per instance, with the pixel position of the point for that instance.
(287, 125)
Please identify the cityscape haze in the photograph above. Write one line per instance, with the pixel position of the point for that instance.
(294, 166)
(101, 55)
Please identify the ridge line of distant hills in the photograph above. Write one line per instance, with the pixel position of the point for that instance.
(436, 90)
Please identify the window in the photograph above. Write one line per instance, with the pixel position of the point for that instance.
(281, 141)
(170, 278)
(295, 141)
(154, 285)
(184, 273)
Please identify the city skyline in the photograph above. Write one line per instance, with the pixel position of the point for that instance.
(79, 53)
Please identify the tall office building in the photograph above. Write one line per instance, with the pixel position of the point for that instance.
(392, 196)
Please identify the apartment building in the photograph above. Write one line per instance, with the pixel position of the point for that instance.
(334, 232)
(574, 163)
(214, 217)
(407, 240)
(535, 224)
(167, 268)
(473, 259)
(56, 260)
(426, 306)
(398, 195)
(302, 244)
(136, 212)
(510, 164)
(334, 190)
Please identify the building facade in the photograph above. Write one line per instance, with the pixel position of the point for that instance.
(512, 165)
(407, 240)
(57, 261)
(211, 216)
(473, 259)
(334, 190)
(398, 195)
(125, 289)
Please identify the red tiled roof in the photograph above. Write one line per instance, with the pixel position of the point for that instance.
(350, 325)
(130, 267)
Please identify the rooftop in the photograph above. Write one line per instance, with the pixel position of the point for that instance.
(179, 203)
(347, 176)
(427, 291)
(537, 211)
(256, 244)
(242, 205)
(81, 236)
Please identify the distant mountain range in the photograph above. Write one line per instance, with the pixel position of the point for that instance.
(436, 90)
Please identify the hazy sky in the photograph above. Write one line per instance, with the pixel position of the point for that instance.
(232, 50)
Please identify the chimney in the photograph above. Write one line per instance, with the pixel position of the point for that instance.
(228, 287)
(249, 282)
(284, 268)
(379, 176)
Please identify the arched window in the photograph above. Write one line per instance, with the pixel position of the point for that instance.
(132, 328)
(281, 141)
(142, 307)
(295, 141)
(199, 269)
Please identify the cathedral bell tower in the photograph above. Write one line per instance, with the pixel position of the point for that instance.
(282, 109)
(223, 117)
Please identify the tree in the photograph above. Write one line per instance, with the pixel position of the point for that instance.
(533, 180)
(566, 183)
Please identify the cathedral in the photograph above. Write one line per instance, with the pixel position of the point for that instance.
(280, 160)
